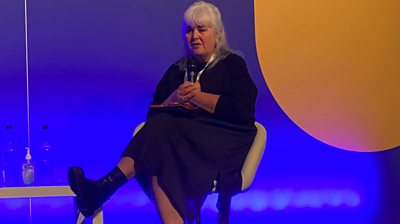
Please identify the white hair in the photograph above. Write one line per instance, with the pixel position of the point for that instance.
(206, 14)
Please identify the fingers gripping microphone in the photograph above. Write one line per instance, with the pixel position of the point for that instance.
(192, 69)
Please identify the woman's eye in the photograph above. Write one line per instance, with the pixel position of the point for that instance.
(189, 30)
(202, 29)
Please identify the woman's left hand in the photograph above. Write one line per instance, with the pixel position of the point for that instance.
(191, 90)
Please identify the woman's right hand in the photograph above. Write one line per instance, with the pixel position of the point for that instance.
(187, 91)
(190, 95)
(183, 93)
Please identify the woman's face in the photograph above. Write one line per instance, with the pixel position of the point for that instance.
(200, 41)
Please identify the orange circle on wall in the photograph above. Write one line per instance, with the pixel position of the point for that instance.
(334, 68)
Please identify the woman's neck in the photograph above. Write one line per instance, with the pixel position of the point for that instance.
(204, 59)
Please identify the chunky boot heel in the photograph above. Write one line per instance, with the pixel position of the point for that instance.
(83, 189)
(90, 194)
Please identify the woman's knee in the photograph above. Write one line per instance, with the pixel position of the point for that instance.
(161, 121)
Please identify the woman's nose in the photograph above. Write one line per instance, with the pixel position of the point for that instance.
(196, 34)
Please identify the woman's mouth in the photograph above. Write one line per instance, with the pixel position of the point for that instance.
(195, 45)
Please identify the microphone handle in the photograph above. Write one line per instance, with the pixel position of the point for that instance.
(192, 76)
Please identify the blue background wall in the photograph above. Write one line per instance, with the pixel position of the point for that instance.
(93, 66)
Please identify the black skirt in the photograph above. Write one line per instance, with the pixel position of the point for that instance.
(187, 152)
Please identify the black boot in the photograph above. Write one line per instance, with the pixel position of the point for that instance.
(91, 194)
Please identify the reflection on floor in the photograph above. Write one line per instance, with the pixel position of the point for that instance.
(130, 205)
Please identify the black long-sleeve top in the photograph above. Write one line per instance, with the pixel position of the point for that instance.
(228, 78)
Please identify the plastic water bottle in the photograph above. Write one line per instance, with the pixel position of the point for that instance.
(10, 165)
(28, 171)
(45, 159)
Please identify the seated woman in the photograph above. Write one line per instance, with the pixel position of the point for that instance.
(179, 152)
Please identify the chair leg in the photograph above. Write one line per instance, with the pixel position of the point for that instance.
(224, 208)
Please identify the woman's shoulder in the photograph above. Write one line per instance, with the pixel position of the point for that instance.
(234, 58)
(173, 71)
(234, 61)
(178, 65)
(175, 67)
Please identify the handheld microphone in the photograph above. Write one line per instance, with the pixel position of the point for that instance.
(192, 69)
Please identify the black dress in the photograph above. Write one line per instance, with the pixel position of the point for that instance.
(187, 150)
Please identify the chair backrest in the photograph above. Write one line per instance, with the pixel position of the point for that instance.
(254, 156)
